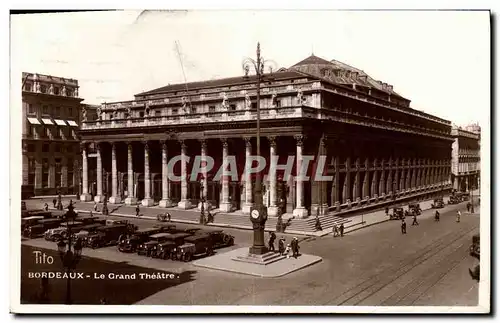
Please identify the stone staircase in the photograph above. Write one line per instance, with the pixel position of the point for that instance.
(309, 225)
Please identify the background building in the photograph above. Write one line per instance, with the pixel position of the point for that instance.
(51, 152)
(466, 157)
(378, 149)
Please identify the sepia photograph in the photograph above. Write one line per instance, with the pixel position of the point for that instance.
(250, 161)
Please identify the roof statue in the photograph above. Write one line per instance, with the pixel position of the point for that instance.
(38, 87)
(63, 91)
(225, 104)
(248, 101)
(300, 97)
(184, 104)
(51, 89)
(129, 112)
(84, 114)
(274, 101)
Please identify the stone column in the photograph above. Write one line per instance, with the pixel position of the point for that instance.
(375, 184)
(38, 172)
(225, 205)
(64, 172)
(389, 186)
(147, 201)
(336, 186)
(319, 201)
(413, 180)
(204, 193)
(165, 184)
(184, 203)
(85, 196)
(382, 184)
(115, 197)
(366, 181)
(99, 197)
(346, 191)
(409, 174)
(467, 183)
(300, 211)
(131, 199)
(247, 206)
(356, 188)
(272, 210)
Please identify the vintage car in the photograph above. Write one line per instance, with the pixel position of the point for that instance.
(55, 234)
(91, 220)
(130, 226)
(414, 209)
(397, 214)
(165, 250)
(29, 221)
(438, 203)
(106, 235)
(219, 238)
(42, 213)
(39, 229)
(130, 243)
(148, 248)
(454, 199)
(474, 248)
(195, 245)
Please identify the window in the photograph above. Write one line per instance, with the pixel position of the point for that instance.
(31, 148)
(31, 179)
(174, 111)
(70, 179)
(232, 107)
(28, 87)
(69, 149)
(45, 109)
(70, 112)
(56, 90)
(254, 105)
(58, 111)
(278, 103)
(70, 163)
(211, 108)
(31, 108)
(45, 148)
(43, 88)
(141, 114)
(57, 148)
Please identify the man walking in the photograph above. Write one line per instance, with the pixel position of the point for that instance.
(415, 222)
(95, 206)
(54, 201)
(468, 206)
(436, 216)
(458, 216)
(403, 226)
(281, 246)
(295, 247)
(272, 238)
(342, 229)
(137, 210)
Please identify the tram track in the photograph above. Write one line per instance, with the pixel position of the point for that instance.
(373, 284)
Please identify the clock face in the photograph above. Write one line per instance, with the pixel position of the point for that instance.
(255, 214)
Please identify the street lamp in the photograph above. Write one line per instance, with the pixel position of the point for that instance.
(69, 258)
(258, 214)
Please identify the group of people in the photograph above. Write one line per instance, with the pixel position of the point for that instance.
(338, 231)
(436, 219)
(291, 248)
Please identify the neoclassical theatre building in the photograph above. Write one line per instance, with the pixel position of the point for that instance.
(377, 148)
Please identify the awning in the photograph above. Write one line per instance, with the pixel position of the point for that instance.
(72, 123)
(47, 121)
(60, 122)
(34, 121)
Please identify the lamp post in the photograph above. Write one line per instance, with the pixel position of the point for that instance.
(69, 258)
(258, 214)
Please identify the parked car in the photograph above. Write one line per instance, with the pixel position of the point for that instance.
(91, 220)
(106, 235)
(438, 203)
(55, 234)
(195, 245)
(397, 214)
(39, 229)
(414, 208)
(29, 221)
(149, 247)
(219, 238)
(474, 248)
(169, 247)
(130, 243)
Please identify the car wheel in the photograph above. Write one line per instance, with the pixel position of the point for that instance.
(187, 257)
(231, 242)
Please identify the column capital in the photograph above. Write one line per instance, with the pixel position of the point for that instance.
(300, 139)
(182, 143)
(146, 144)
(83, 146)
(203, 143)
(272, 141)
(224, 142)
(98, 145)
(248, 141)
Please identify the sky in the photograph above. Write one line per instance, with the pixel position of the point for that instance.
(440, 60)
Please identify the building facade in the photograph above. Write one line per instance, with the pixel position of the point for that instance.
(51, 116)
(377, 149)
(466, 158)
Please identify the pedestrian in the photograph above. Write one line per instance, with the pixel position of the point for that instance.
(335, 230)
(403, 226)
(342, 229)
(46, 207)
(468, 206)
(169, 217)
(281, 246)
(436, 216)
(295, 247)
(386, 210)
(317, 225)
(458, 215)
(91, 214)
(95, 206)
(286, 253)
(137, 210)
(54, 201)
(415, 222)
(272, 238)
